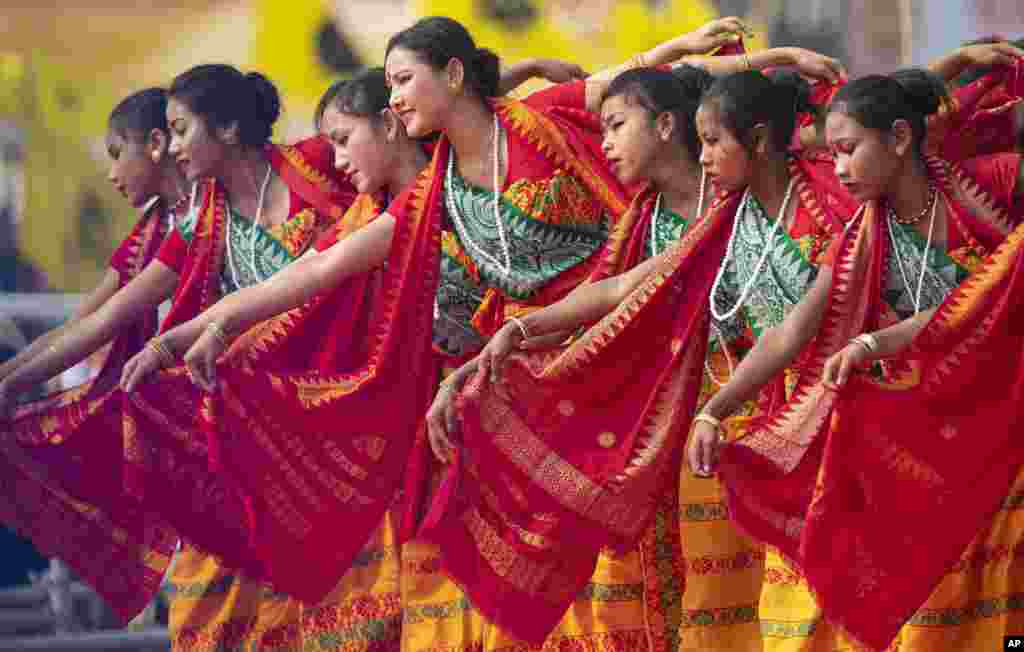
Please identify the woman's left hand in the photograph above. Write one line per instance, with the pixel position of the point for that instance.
(839, 366)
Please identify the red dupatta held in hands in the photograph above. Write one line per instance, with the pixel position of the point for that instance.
(311, 430)
(64, 475)
(848, 485)
(575, 449)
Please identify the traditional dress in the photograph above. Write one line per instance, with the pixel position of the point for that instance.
(67, 443)
(308, 438)
(45, 514)
(818, 482)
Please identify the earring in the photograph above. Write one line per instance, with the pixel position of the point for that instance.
(156, 157)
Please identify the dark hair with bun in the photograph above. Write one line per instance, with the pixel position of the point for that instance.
(659, 91)
(438, 39)
(140, 113)
(221, 95)
(746, 99)
(365, 95)
(877, 101)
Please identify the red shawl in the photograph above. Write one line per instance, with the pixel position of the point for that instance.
(64, 485)
(575, 449)
(817, 477)
(318, 408)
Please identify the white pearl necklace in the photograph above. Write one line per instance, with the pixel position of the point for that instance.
(916, 298)
(729, 251)
(253, 232)
(657, 213)
(504, 265)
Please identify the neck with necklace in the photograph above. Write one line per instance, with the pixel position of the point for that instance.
(504, 265)
(894, 219)
(254, 227)
(656, 215)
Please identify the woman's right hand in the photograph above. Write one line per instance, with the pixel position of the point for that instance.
(201, 360)
(140, 367)
(442, 421)
(492, 357)
(715, 34)
(702, 452)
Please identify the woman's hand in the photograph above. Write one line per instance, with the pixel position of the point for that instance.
(840, 364)
(140, 367)
(492, 357)
(442, 421)
(815, 65)
(989, 54)
(715, 34)
(703, 450)
(201, 359)
(556, 71)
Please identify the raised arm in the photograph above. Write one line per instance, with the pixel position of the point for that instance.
(715, 34)
(552, 70)
(87, 335)
(807, 62)
(205, 337)
(99, 296)
(949, 66)
(775, 350)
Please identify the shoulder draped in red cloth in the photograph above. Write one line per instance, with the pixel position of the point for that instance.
(817, 478)
(63, 473)
(318, 409)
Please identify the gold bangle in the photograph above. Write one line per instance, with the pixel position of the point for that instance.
(866, 340)
(710, 420)
(746, 61)
(522, 327)
(218, 333)
(163, 353)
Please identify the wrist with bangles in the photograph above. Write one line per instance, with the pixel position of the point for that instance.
(163, 352)
(524, 332)
(217, 331)
(866, 341)
(714, 422)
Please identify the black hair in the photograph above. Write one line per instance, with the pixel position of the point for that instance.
(660, 91)
(137, 115)
(877, 101)
(221, 95)
(365, 95)
(436, 40)
(746, 99)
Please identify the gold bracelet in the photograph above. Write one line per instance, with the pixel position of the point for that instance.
(218, 333)
(522, 327)
(746, 61)
(710, 420)
(163, 353)
(866, 340)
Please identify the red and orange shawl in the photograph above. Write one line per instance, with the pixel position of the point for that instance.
(310, 435)
(576, 449)
(817, 478)
(63, 477)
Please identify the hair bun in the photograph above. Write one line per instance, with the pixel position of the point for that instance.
(268, 101)
(798, 88)
(925, 92)
(487, 71)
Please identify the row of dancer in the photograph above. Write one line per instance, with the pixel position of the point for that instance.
(317, 416)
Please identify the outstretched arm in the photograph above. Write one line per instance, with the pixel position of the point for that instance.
(74, 344)
(205, 337)
(775, 350)
(552, 70)
(99, 296)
